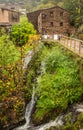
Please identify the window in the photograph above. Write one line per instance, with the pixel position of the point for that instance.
(61, 13)
(14, 17)
(51, 13)
(44, 31)
(51, 24)
(61, 23)
(43, 16)
(2, 10)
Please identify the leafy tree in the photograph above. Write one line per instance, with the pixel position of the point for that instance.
(76, 9)
(10, 83)
(8, 52)
(20, 32)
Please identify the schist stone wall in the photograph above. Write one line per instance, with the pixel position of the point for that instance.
(8, 18)
(3, 16)
(33, 18)
(55, 20)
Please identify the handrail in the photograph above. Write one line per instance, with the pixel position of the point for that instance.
(72, 38)
(74, 45)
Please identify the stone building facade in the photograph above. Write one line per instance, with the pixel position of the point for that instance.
(8, 17)
(55, 20)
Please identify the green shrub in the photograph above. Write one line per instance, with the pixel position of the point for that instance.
(59, 84)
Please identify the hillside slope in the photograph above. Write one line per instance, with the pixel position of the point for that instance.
(31, 5)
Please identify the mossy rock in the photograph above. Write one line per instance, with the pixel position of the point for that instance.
(79, 122)
(69, 127)
(80, 117)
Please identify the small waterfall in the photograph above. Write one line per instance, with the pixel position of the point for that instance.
(28, 112)
(58, 122)
(27, 59)
(29, 108)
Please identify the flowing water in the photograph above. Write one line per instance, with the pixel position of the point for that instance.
(28, 113)
(30, 106)
(27, 59)
(58, 121)
(27, 126)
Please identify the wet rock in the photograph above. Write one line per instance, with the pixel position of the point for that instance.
(14, 124)
(79, 107)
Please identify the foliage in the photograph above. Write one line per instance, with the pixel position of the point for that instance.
(8, 53)
(59, 84)
(11, 95)
(33, 71)
(20, 32)
(79, 121)
(76, 9)
(81, 36)
(12, 86)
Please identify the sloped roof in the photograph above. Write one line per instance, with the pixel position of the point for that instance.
(4, 8)
(56, 6)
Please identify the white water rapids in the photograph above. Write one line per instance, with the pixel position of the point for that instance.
(29, 108)
(28, 112)
(57, 122)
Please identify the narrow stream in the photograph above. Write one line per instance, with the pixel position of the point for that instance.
(28, 112)
(29, 108)
(58, 121)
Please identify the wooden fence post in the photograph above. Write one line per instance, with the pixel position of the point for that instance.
(79, 47)
(67, 42)
(74, 45)
(70, 43)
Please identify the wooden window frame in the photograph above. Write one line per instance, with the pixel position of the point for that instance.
(51, 24)
(61, 24)
(51, 13)
(44, 16)
(61, 13)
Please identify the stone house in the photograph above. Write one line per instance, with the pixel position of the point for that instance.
(8, 17)
(54, 20)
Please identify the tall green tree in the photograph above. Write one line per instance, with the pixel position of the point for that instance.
(20, 32)
(10, 81)
(8, 52)
(75, 7)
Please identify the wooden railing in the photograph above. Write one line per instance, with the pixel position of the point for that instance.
(72, 44)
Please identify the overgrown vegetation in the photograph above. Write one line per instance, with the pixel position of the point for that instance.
(10, 82)
(75, 7)
(58, 84)
(55, 75)
(21, 32)
(12, 102)
(71, 122)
